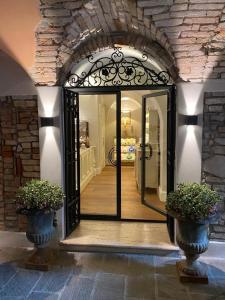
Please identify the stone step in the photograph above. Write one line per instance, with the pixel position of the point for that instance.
(127, 249)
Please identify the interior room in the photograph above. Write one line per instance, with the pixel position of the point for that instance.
(98, 172)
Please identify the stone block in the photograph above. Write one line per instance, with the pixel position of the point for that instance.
(155, 10)
(168, 23)
(215, 165)
(179, 7)
(56, 12)
(215, 108)
(220, 141)
(154, 3)
(206, 6)
(29, 162)
(208, 20)
(31, 174)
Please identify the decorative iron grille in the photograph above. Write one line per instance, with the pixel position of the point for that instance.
(118, 70)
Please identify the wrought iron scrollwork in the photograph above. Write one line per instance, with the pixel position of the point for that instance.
(118, 70)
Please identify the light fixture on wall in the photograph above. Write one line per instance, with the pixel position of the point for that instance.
(188, 120)
(191, 120)
(46, 121)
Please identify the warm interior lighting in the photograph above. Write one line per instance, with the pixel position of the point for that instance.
(126, 118)
(125, 98)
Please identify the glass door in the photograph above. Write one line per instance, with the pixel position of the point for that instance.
(99, 161)
(154, 151)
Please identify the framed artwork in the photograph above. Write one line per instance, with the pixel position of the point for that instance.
(84, 133)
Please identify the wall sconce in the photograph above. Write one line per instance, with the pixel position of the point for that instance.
(188, 120)
(46, 121)
(191, 120)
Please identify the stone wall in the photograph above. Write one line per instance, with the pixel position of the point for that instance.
(19, 154)
(213, 152)
(184, 34)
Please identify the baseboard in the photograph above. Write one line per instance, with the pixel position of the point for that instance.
(85, 182)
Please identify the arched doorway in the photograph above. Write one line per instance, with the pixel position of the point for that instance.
(116, 72)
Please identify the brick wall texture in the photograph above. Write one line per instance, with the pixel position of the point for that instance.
(213, 153)
(186, 36)
(19, 154)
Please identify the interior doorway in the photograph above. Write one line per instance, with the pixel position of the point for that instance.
(98, 155)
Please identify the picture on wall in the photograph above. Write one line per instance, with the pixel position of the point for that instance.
(84, 134)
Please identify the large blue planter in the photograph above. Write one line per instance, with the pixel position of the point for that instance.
(192, 238)
(40, 228)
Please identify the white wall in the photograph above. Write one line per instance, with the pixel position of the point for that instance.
(14, 81)
(159, 104)
(189, 100)
(92, 109)
(51, 142)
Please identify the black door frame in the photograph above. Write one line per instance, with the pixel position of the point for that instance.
(143, 148)
(72, 163)
(171, 132)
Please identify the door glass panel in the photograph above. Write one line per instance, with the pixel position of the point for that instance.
(98, 170)
(132, 206)
(154, 163)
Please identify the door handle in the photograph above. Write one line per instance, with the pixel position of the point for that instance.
(150, 152)
(148, 157)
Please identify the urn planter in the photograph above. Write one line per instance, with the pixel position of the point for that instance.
(192, 238)
(195, 206)
(40, 228)
(38, 200)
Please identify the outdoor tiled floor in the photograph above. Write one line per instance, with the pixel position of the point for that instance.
(105, 277)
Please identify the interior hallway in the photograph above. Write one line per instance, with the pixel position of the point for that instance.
(99, 197)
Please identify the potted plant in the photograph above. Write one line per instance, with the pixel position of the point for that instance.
(194, 206)
(38, 200)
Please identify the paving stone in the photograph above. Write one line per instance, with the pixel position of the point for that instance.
(169, 287)
(53, 281)
(140, 287)
(21, 284)
(78, 288)
(88, 264)
(112, 282)
(115, 263)
(216, 267)
(103, 294)
(140, 264)
(42, 296)
(165, 265)
(207, 297)
(7, 270)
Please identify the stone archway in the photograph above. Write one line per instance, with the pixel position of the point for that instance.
(71, 30)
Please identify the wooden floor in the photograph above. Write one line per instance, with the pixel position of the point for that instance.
(99, 197)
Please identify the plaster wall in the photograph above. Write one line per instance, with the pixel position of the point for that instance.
(89, 111)
(189, 101)
(51, 141)
(18, 21)
(160, 105)
(14, 80)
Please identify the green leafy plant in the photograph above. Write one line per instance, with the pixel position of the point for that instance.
(39, 195)
(193, 201)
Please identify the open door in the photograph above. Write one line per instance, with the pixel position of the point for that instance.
(72, 162)
(157, 152)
